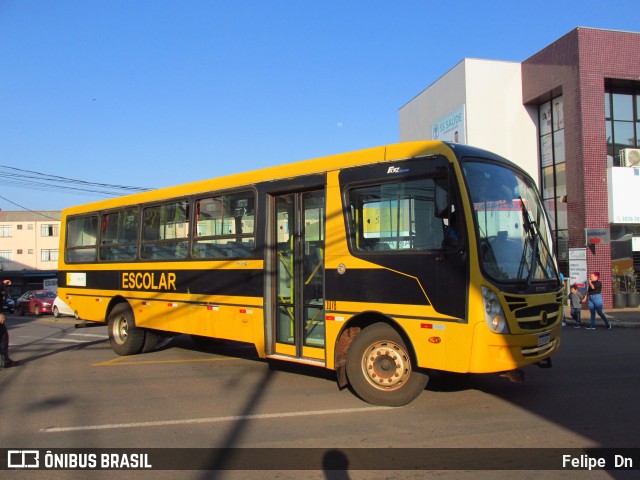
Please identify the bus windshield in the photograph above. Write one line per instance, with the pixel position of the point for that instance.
(511, 225)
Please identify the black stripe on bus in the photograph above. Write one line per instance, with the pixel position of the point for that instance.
(374, 286)
(241, 283)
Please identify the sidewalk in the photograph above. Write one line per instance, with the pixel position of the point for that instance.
(619, 317)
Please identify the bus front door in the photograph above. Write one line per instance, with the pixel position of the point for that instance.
(298, 328)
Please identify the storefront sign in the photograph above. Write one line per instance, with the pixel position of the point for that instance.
(578, 267)
(596, 236)
(450, 128)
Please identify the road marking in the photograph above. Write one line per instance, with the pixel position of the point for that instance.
(115, 362)
(56, 340)
(88, 335)
(62, 340)
(233, 418)
(58, 320)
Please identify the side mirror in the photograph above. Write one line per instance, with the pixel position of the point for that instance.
(442, 200)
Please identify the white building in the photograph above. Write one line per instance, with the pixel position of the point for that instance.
(481, 100)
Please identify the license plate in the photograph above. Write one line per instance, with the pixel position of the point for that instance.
(544, 338)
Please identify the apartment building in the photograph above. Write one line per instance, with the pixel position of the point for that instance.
(29, 243)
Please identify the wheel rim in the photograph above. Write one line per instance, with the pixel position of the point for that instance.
(386, 365)
(120, 330)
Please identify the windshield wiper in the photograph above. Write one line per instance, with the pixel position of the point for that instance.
(530, 227)
(533, 234)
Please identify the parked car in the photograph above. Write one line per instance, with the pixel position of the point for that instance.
(36, 302)
(60, 308)
(9, 305)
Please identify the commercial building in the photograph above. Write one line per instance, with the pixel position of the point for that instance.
(570, 116)
(29, 243)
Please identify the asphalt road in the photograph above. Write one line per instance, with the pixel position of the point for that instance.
(71, 391)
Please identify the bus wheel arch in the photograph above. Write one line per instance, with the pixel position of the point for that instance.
(125, 337)
(375, 357)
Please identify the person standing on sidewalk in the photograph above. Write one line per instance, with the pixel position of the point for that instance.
(5, 361)
(594, 296)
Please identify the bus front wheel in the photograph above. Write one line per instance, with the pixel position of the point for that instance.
(379, 368)
(125, 337)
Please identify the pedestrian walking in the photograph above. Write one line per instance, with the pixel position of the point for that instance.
(594, 297)
(575, 303)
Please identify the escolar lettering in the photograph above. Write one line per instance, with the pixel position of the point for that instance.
(148, 281)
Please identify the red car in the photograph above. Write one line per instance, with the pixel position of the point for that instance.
(36, 302)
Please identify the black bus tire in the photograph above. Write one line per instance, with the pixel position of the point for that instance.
(380, 369)
(125, 337)
(151, 341)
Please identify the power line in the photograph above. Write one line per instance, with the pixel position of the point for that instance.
(30, 178)
(27, 209)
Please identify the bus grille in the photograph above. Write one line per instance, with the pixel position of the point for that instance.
(533, 318)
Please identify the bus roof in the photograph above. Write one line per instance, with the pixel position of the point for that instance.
(389, 153)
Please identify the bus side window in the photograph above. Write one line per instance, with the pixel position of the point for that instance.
(165, 231)
(224, 226)
(400, 216)
(151, 225)
(82, 239)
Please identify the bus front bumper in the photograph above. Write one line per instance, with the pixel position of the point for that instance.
(498, 353)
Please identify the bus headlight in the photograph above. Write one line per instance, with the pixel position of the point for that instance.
(493, 314)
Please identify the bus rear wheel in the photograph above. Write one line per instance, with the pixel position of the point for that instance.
(125, 337)
(379, 368)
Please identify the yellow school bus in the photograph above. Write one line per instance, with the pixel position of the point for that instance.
(382, 264)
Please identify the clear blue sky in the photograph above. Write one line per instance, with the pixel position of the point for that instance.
(153, 93)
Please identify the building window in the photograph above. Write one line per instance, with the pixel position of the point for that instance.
(49, 255)
(49, 230)
(19, 227)
(5, 230)
(19, 251)
(622, 114)
(5, 256)
(553, 174)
